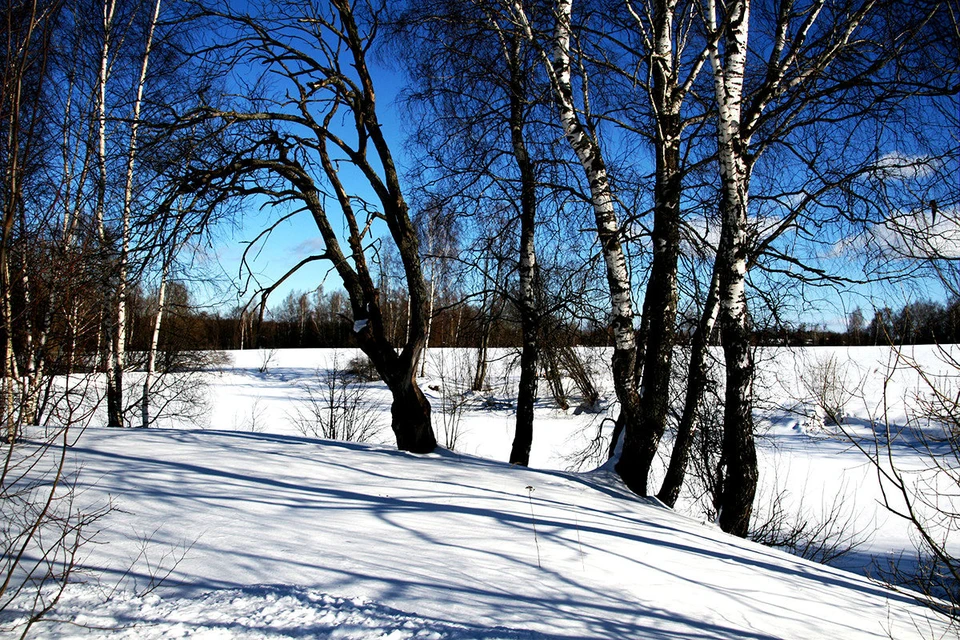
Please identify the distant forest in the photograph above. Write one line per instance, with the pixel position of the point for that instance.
(322, 320)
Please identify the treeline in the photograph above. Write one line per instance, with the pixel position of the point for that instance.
(921, 322)
(321, 320)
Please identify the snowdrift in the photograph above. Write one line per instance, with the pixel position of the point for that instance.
(277, 536)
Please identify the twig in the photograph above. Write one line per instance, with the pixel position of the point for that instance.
(533, 519)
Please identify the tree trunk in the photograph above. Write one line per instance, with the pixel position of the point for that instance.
(410, 412)
(9, 358)
(114, 381)
(608, 232)
(696, 384)
(426, 341)
(152, 355)
(739, 452)
(529, 316)
(480, 377)
(660, 309)
(114, 399)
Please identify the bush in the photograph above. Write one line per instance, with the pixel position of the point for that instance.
(336, 407)
(361, 368)
(825, 383)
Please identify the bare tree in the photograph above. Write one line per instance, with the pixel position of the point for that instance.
(582, 138)
(653, 54)
(439, 242)
(818, 65)
(488, 104)
(317, 52)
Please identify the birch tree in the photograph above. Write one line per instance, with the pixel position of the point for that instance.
(653, 53)
(582, 139)
(28, 37)
(820, 63)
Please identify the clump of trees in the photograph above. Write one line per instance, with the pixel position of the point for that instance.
(641, 175)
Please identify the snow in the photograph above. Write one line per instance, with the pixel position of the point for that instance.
(260, 532)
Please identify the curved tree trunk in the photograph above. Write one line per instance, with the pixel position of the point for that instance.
(410, 413)
(655, 358)
(591, 159)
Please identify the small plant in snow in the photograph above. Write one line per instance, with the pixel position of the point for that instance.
(822, 537)
(533, 519)
(453, 369)
(254, 422)
(44, 530)
(267, 359)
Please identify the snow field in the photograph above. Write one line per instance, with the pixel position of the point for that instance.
(269, 534)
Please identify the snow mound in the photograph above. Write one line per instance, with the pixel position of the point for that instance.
(372, 542)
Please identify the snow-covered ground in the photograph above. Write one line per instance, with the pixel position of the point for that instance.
(262, 531)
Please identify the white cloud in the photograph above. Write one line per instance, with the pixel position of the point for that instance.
(921, 235)
(902, 167)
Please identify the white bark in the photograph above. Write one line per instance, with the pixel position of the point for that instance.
(729, 74)
(121, 320)
(426, 342)
(152, 355)
(109, 9)
(591, 159)
(105, 342)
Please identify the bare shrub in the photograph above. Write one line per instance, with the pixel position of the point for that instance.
(361, 368)
(560, 362)
(254, 420)
(70, 399)
(595, 444)
(825, 382)
(178, 389)
(706, 461)
(924, 493)
(152, 566)
(336, 407)
(821, 537)
(510, 366)
(268, 358)
(455, 375)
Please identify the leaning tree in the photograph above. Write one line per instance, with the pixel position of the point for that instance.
(306, 134)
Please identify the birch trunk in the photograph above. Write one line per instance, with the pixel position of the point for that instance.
(480, 376)
(608, 231)
(152, 354)
(660, 300)
(106, 341)
(739, 451)
(11, 93)
(9, 359)
(115, 382)
(426, 343)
